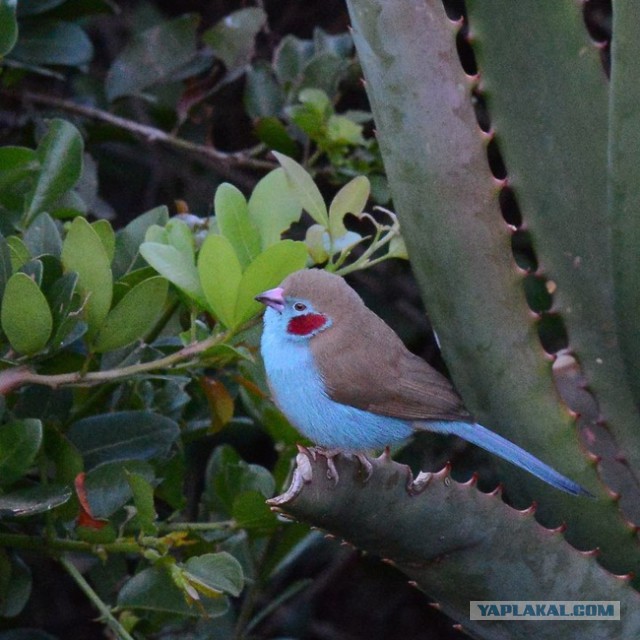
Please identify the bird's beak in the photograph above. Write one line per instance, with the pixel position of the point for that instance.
(273, 298)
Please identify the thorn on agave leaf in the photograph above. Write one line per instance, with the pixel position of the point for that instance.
(472, 481)
(625, 577)
(559, 529)
(529, 511)
(497, 492)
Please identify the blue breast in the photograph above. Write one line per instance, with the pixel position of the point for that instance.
(299, 392)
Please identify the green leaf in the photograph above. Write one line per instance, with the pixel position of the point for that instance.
(233, 38)
(64, 306)
(309, 120)
(263, 96)
(108, 487)
(6, 268)
(250, 511)
(60, 155)
(220, 274)
(324, 71)
(129, 239)
(173, 265)
(18, 167)
(26, 316)
(20, 255)
(179, 235)
(290, 58)
(154, 589)
(142, 491)
(228, 476)
(153, 57)
(273, 206)
(42, 237)
(342, 130)
(218, 571)
(44, 42)
(305, 188)
(33, 500)
(59, 450)
(18, 586)
(268, 270)
(107, 236)
(134, 316)
(275, 135)
(235, 224)
(84, 253)
(352, 198)
(19, 443)
(8, 26)
(315, 240)
(123, 435)
(318, 100)
(340, 45)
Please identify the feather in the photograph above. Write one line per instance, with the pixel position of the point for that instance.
(364, 363)
(496, 444)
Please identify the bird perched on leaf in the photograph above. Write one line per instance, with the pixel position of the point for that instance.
(345, 380)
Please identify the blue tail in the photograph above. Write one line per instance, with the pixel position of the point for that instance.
(492, 442)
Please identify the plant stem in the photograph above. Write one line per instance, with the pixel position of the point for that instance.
(34, 543)
(169, 527)
(110, 619)
(14, 377)
(224, 162)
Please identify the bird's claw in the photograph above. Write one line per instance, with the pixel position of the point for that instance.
(366, 465)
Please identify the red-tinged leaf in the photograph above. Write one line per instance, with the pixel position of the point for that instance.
(85, 518)
(198, 90)
(220, 402)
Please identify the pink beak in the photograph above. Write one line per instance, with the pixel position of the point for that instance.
(273, 298)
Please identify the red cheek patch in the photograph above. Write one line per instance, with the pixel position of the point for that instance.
(306, 324)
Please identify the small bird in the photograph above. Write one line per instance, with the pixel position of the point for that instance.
(346, 381)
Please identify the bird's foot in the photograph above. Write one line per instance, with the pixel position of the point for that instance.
(332, 471)
(329, 454)
(366, 465)
(417, 485)
(302, 475)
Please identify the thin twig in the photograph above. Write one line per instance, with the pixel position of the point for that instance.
(102, 607)
(224, 162)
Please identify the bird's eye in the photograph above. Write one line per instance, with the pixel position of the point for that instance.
(299, 306)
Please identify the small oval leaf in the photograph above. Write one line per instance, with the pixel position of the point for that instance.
(352, 198)
(134, 316)
(274, 206)
(19, 443)
(26, 317)
(84, 253)
(305, 188)
(175, 267)
(232, 214)
(265, 272)
(220, 274)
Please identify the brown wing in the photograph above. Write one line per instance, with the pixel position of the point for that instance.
(366, 365)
